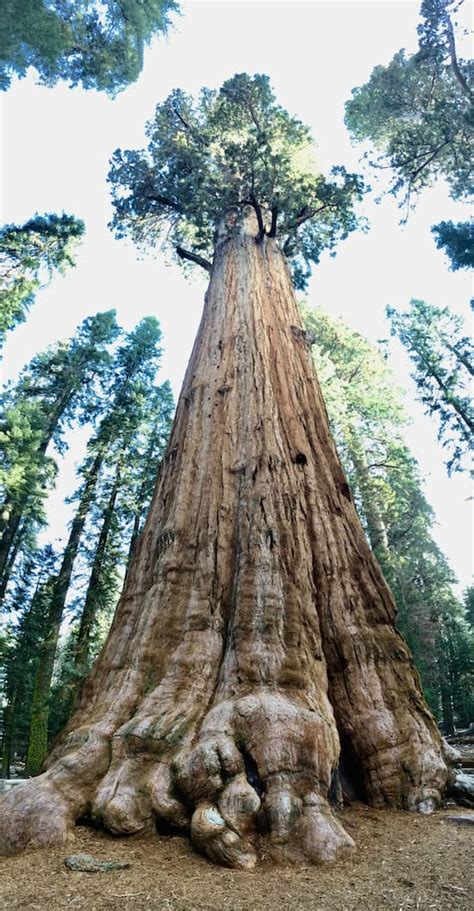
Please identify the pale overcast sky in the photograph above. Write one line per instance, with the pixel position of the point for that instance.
(56, 144)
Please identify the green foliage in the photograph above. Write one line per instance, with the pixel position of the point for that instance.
(442, 356)
(116, 515)
(360, 392)
(135, 365)
(458, 645)
(29, 254)
(233, 148)
(26, 629)
(146, 449)
(457, 240)
(469, 605)
(93, 43)
(417, 111)
(65, 383)
(367, 419)
(23, 472)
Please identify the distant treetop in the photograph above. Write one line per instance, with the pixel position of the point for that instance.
(29, 254)
(97, 44)
(418, 110)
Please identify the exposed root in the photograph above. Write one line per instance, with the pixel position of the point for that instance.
(288, 753)
(35, 815)
(259, 770)
(252, 778)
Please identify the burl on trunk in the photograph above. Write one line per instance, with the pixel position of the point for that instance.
(255, 632)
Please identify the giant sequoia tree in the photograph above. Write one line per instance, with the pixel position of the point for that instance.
(253, 651)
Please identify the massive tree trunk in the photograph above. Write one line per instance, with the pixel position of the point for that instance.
(255, 632)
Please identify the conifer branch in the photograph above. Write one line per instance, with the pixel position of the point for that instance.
(194, 258)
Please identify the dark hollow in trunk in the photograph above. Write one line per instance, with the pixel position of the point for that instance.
(255, 629)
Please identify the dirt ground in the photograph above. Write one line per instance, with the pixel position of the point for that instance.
(403, 862)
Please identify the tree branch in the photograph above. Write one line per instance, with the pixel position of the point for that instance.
(289, 246)
(163, 201)
(258, 213)
(462, 358)
(194, 258)
(384, 465)
(305, 214)
(454, 60)
(188, 126)
(424, 164)
(273, 227)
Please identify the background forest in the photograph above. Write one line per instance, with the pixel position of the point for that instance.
(88, 415)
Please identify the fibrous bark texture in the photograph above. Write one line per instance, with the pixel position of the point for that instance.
(255, 632)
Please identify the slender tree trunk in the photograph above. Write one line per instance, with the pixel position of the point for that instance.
(9, 542)
(5, 577)
(375, 524)
(38, 732)
(446, 680)
(462, 358)
(446, 702)
(91, 604)
(8, 729)
(134, 539)
(463, 418)
(143, 494)
(255, 631)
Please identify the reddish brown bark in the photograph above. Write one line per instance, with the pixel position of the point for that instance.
(255, 630)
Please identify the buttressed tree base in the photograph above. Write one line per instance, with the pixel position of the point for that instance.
(255, 634)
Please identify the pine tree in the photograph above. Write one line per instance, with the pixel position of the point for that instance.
(135, 365)
(57, 387)
(457, 241)
(29, 254)
(126, 502)
(367, 418)
(148, 457)
(442, 355)
(418, 113)
(27, 628)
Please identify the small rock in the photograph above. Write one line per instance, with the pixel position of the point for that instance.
(84, 863)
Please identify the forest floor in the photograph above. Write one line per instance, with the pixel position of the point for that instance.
(404, 861)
